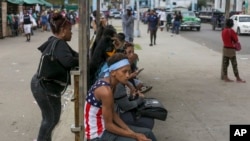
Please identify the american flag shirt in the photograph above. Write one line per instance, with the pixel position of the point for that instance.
(93, 119)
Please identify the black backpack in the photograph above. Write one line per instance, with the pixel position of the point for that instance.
(50, 68)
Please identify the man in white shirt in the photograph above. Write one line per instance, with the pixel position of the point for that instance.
(162, 17)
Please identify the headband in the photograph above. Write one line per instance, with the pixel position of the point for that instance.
(116, 66)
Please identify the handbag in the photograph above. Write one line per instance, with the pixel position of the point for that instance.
(237, 45)
(152, 108)
(50, 71)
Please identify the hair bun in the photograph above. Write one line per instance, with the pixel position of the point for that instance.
(56, 16)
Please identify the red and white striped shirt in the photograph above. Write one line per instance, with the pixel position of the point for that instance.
(93, 119)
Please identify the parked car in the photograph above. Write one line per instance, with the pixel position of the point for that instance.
(241, 24)
(117, 15)
(111, 11)
(190, 21)
(205, 16)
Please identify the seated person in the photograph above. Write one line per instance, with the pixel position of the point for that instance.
(121, 38)
(125, 106)
(101, 121)
(133, 58)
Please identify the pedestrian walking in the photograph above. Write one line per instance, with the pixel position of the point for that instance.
(27, 25)
(128, 25)
(229, 37)
(162, 17)
(47, 91)
(177, 22)
(153, 22)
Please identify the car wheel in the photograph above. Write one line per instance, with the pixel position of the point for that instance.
(198, 28)
(238, 31)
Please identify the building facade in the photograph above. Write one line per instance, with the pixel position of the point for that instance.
(235, 5)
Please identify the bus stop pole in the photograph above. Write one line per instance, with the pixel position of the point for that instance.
(84, 36)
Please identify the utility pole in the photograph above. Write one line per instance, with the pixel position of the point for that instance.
(227, 12)
(137, 31)
(98, 13)
(227, 9)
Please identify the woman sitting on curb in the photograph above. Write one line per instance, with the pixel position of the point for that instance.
(133, 58)
(101, 121)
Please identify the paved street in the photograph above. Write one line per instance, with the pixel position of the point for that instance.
(185, 76)
(20, 115)
(212, 39)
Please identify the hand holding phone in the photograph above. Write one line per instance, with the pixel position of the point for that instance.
(140, 70)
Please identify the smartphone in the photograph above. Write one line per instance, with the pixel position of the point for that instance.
(140, 70)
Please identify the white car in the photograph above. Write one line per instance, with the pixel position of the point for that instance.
(117, 15)
(241, 24)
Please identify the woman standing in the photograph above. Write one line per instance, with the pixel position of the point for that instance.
(47, 91)
(153, 22)
(229, 37)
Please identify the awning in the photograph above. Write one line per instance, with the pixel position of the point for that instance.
(16, 1)
(32, 2)
(40, 2)
(45, 3)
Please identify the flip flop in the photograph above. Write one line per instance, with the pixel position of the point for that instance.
(145, 89)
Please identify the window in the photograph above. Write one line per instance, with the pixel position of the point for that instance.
(244, 19)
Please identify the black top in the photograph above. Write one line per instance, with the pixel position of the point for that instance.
(67, 57)
(26, 19)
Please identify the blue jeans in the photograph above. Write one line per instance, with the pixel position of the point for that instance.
(50, 107)
(176, 27)
(107, 136)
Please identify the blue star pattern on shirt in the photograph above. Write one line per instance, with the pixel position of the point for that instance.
(91, 97)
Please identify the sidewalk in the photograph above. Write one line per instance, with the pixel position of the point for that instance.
(186, 77)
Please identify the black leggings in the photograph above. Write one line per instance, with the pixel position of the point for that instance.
(50, 107)
(234, 65)
(153, 35)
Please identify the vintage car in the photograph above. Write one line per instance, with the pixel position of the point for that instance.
(190, 21)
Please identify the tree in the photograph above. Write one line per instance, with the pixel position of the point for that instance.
(201, 3)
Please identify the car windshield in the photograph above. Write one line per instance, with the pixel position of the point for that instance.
(244, 19)
(188, 14)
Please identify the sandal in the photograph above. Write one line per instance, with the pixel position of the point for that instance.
(145, 89)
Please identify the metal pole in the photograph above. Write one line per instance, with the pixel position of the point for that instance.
(84, 36)
(98, 13)
(137, 31)
(227, 10)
